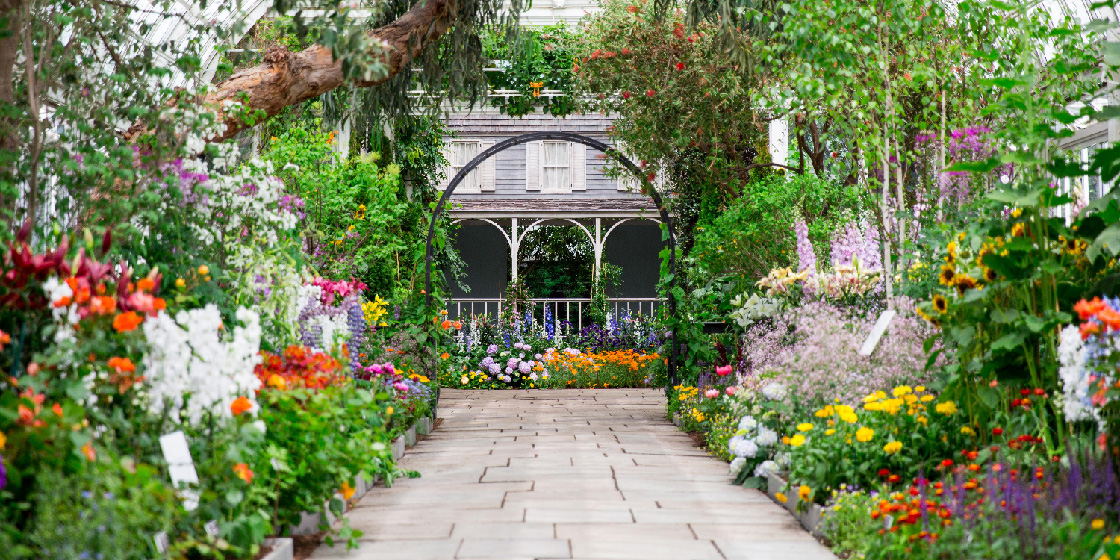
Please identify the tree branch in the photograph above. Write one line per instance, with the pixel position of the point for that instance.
(285, 78)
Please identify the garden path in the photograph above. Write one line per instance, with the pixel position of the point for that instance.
(568, 474)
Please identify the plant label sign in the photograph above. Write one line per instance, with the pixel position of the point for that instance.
(877, 332)
(180, 465)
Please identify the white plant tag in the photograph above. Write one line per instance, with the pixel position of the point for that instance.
(888, 522)
(180, 465)
(162, 542)
(877, 332)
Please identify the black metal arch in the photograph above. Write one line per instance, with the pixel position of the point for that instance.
(647, 188)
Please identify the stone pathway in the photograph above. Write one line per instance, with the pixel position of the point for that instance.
(588, 474)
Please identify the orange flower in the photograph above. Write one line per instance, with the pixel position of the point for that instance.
(62, 301)
(1110, 318)
(1089, 329)
(89, 452)
(446, 324)
(1087, 309)
(243, 472)
(103, 305)
(444, 356)
(347, 491)
(240, 406)
(57, 408)
(27, 416)
(126, 322)
(145, 285)
(458, 325)
(4, 339)
(123, 365)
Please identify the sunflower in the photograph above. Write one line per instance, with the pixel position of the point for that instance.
(964, 283)
(990, 275)
(948, 273)
(940, 303)
(1017, 230)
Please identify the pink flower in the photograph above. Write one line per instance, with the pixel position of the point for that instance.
(400, 387)
(730, 391)
(711, 393)
(724, 370)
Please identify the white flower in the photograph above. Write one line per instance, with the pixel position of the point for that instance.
(743, 447)
(1076, 385)
(748, 423)
(737, 465)
(774, 391)
(782, 458)
(191, 371)
(766, 437)
(765, 468)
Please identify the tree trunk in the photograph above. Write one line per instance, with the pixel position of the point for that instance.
(286, 78)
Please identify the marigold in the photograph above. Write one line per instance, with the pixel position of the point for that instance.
(947, 408)
(781, 497)
(804, 427)
(797, 440)
(864, 434)
(240, 406)
(347, 491)
(127, 322)
(893, 447)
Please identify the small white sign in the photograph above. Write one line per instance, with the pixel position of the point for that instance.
(162, 542)
(877, 332)
(180, 465)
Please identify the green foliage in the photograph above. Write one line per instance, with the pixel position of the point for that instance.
(755, 233)
(316, 441)
(556, 261)
(533, 60)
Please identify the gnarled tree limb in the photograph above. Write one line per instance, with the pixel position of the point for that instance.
(286, 78)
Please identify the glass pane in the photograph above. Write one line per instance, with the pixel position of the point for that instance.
(554, 163)
(461, 154)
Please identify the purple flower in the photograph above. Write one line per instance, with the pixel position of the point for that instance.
(3, 474)
(492, 349)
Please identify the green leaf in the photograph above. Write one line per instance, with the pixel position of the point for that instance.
(1009, 341)
(988, 395)
(1003, 315)
(962, 335)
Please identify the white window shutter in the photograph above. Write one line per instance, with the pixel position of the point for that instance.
(533, 166)
(448, 171)
(577, 166)
(488, 171)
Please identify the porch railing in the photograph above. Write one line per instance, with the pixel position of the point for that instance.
(563, 309)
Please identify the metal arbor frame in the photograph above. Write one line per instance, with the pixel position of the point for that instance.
(647, 188)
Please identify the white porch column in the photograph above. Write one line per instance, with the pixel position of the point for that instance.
(779, 141)
(514, 245)
(598, 248)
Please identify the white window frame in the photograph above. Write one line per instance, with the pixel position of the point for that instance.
(566, 165)
(484, 174)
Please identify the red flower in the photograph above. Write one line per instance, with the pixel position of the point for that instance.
(997, 431)
(243, 472)
(1040, 392)
(240, 406)
(626, 95)
(884, 472)
(680, 66)
(1024, 392)
(625, 51)
(947, 463)
(650, 93)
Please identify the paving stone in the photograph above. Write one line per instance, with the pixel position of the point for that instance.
(592, 474)
(651, 548)
(502, 548)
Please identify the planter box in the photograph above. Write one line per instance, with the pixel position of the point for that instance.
(308, 524)
(410, 436)
(811, 518)
(398, 448)
(282, 549)
(424, 426)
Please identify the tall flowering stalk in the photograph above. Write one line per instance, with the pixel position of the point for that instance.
(806, 259)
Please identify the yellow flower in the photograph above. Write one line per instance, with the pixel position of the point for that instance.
(864, 434)
(180, 283)
(923, 420)
(797, 440)
(3, 440)
(347, 491)
(927, 398)
(1016, 212)
(893, 447)
(204, 270)
(843, 409)
(829, 432)
(849, 418)
(824, 412)
(947, 408)
(967, 431)
(804, 491)
(389, 411)
(1097, 524)
(804, 427)
(901, 390)
(781, 497)
(919, 388)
